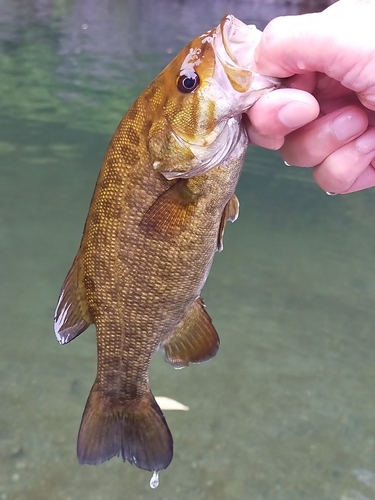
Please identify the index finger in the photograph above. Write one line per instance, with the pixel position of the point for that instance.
(278, 113)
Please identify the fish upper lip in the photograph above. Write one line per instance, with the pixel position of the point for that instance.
(235, 34)
(239, 41)
(234, 44)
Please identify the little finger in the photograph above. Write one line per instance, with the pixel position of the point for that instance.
(349, 168)
(313, 143)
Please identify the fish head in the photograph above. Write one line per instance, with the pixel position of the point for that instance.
(206, 89)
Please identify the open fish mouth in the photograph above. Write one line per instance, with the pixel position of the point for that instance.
(234, 44)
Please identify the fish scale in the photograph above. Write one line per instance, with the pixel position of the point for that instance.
(156, 219)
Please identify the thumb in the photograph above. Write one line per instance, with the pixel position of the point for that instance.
(290, 45)
(337, 42)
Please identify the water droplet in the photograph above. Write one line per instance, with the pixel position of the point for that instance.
(287, 164)
(331, 193)
(154, 482)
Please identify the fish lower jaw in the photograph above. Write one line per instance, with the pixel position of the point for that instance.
(260, 85)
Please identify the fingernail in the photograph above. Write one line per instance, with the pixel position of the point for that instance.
(331, 193)
(347, 125)
(366, 142)
(256, 54)
(296, 114)
(287, 164)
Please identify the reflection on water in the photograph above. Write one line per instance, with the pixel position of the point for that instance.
(286, 409)
(60, 55)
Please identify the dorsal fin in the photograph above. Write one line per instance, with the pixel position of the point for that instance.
(231, 212)
(72, 314)
(170, 212)
(195, 339)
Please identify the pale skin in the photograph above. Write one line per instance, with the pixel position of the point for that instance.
(324, 117)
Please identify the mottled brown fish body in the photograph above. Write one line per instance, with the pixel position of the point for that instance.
(156, 219)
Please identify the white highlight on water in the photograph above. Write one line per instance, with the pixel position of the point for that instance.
(154, 481)
(170, 404)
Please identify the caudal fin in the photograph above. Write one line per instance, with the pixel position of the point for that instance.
(136, 431)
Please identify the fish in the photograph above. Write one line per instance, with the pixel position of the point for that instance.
(164, 193)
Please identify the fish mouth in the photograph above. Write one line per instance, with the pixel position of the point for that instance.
(234, 45)
(234, 87)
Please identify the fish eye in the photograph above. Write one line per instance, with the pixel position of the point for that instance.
(187, 84)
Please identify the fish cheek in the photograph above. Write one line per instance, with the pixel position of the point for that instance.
(195, 116)
(184, 118)
(166, 153)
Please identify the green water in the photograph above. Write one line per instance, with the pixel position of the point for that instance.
(286, 410)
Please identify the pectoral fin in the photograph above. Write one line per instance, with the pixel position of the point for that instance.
(195, 339)
(171, 212)
(231, 212)
(71, 315)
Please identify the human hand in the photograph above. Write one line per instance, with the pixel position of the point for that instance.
(326, 117)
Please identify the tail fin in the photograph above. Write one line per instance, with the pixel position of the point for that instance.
(137, 431)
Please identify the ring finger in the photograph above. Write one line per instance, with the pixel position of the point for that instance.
(313, 143)
(349, 168)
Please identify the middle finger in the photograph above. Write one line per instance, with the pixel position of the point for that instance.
(311, 144)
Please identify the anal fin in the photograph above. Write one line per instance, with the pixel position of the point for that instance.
(195, 339)
(71, 315)
(231, 212)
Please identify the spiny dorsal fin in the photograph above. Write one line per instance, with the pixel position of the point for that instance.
(195, 339)
(231, 212)
(71, 315)
(171, 211)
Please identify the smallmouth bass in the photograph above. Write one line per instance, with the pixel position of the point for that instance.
(157, 216)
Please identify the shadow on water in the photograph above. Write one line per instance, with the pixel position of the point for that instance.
(286, 410)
